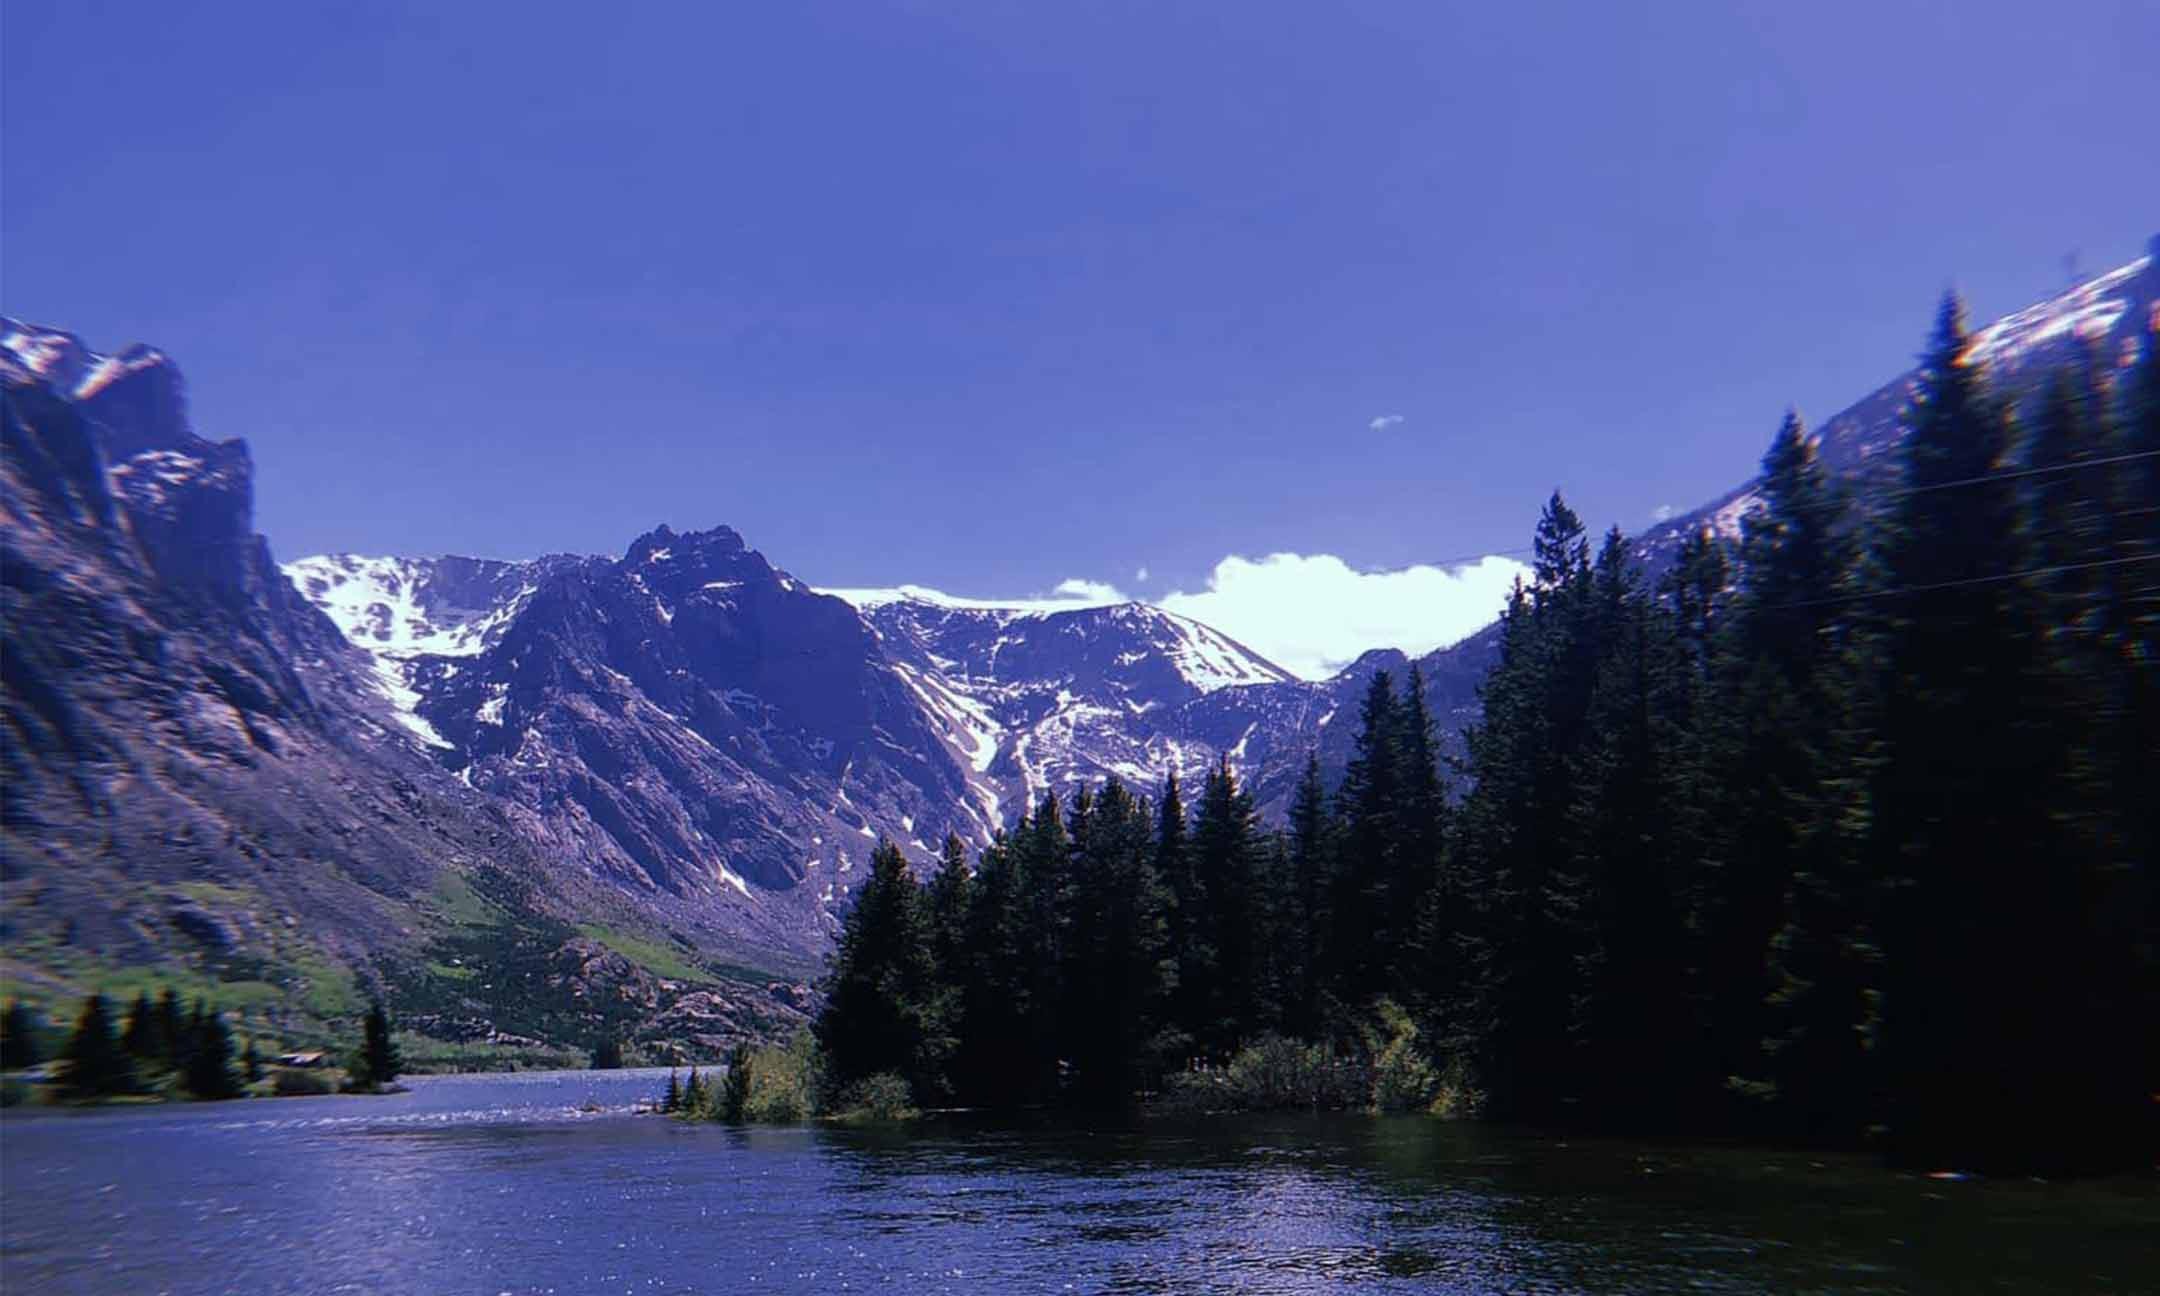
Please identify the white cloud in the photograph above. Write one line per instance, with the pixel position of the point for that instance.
(1140, 575)
(1313, 614)
(1663, 513)
(1384, 422)
(1076, 590)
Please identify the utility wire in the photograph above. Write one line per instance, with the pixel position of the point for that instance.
(1969, 580)
(1898, 493)
(2021, 472)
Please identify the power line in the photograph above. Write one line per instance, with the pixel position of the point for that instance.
(1468, 559)
(1898, 493)
(1966, 581)
(1902, 491)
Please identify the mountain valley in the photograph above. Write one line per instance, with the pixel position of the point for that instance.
(548, 799)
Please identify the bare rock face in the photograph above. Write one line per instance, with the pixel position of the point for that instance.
(588, 969)
(716, 1020)
(173, 710)
(197, 771)
(694, 718)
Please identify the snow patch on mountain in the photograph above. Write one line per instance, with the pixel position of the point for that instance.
(396, 610)
(1212, 660)
(396, 687)
(871, 599)
(1206, 658)
(1726, 521)
(70, 367)
(149, 477)
(50, 354)
(104, 371)
(2090, 310)
(1034, 699)
(381, 605)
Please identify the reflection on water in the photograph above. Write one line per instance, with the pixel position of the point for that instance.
(507, 1184)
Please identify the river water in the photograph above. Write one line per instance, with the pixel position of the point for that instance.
(492, 1184)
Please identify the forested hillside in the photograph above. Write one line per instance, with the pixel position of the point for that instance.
(1842, 832)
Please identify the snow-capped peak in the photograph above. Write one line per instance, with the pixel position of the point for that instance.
(870, 599)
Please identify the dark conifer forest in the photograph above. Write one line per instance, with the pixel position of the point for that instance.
(1842, 833)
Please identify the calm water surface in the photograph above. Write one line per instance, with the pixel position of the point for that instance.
(491, 1184)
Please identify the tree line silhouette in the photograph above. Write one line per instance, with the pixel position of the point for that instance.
(1842, 831)
(160, 1039)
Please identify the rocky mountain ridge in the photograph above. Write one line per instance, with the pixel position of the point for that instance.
(1008, 700)
(684, 733)
(203, 784)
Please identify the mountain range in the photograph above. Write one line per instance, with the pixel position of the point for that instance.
(540, 799)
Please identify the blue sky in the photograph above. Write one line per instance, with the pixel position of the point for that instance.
(991, 297)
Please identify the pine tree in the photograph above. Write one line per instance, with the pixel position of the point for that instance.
(693, 1094)
(1786, 904)
(1618, 904)
(1072, 944)
(1560, 547)
(251, 1063)
(993, 1065)
(2079, 969)
(1368, 881)
(733, 1102)
(1043, 858)
(2132, 757)
(1696, 598)
(1954, 826)
(209, 1074)
(1694, 592)
(946, 904)
(1120, 967)
(880, 994)
(947, 899)
(1312, 883)
(671, 1101)
(171, 1034)
(379, 1061)
(1233, 1000)
(1174, 864)
(1515, 1007)
(1277, 935)
(1502, 755)
(2134, 501)
(18, 1039)
(1426, 906)
(95, 1064)
(141, 1038)
(1422, 821)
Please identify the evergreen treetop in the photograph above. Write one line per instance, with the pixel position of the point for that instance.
(96, 1066)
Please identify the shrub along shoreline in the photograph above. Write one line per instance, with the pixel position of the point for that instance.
(1384, 1072)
